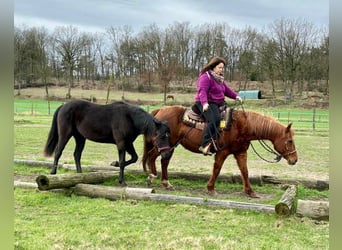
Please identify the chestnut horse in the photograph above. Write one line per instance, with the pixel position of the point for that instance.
(244, 127)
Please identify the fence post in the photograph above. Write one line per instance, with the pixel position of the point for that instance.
(313, 120)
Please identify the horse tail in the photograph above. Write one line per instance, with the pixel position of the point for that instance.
(52, 139)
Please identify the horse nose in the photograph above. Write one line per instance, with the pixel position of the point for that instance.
(292, 161)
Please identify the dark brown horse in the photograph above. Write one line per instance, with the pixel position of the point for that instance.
(245, 126)
(117, 123)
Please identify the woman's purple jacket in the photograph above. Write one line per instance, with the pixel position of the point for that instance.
(208, 90)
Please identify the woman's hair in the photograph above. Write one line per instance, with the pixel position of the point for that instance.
(213, 63)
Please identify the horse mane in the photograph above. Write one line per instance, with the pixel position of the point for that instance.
(144, 121)
(263, 125)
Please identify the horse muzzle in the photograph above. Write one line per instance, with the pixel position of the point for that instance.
(292, 161)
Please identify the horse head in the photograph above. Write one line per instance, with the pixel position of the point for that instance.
(161, 139)
(286, 147)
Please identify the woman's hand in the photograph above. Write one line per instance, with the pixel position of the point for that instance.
(205, 107)
(239, 99)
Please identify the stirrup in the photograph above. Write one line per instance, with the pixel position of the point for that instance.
(205, 150)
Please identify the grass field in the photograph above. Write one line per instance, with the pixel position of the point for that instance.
(56, 220)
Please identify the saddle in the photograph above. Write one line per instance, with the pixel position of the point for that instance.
(192, 117)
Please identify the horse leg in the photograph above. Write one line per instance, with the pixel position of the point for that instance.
(241, 160)
(80, 142)
(129, 148)
(151, 162)
(134, 156)
(165, 178)
(62, 141)
(220, 157)
(122, 154)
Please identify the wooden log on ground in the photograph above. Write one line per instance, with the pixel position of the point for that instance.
(24, 184)
(253, 179)
(318, 210)
(47, 182)
(111, 193)
(313, 184)
(64, 166)
(285, 204)
(114, 193)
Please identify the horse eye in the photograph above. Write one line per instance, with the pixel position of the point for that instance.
(290, 142)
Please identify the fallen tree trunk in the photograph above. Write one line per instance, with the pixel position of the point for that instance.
(47, 182)
(285, 204)
(114, 193)
(318, 210)
(313, 184)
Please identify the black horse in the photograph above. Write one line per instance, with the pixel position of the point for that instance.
(118, 123)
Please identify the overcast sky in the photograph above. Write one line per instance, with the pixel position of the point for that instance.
(97, 15)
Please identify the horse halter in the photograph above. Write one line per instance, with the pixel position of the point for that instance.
(159, 148)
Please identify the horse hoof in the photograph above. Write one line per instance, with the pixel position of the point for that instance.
(253, 195)
(212, 192)
(115, 164)
(167, 185)
(170, 188)
(123, 184)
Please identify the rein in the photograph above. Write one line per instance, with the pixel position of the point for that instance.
(268, 148)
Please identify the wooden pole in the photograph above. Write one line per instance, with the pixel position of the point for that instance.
(47, 182)
(318, 210)
(24, 184)
(114, 193)
(285, 204)
(111, 193)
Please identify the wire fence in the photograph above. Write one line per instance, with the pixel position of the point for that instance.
(313, 121)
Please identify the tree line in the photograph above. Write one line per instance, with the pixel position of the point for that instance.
(292, 51)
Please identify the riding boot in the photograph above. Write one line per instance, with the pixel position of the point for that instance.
(206, 150)
(205, 147)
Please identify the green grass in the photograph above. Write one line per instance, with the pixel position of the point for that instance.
(47, 220)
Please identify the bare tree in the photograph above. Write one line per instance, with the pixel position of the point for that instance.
(69, 44)
(246, 62)
(294, 38)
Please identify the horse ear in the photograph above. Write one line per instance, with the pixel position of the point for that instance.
(288, 129)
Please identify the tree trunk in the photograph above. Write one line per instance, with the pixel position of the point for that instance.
(318, 210)
(47, 182)
(285, 204)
